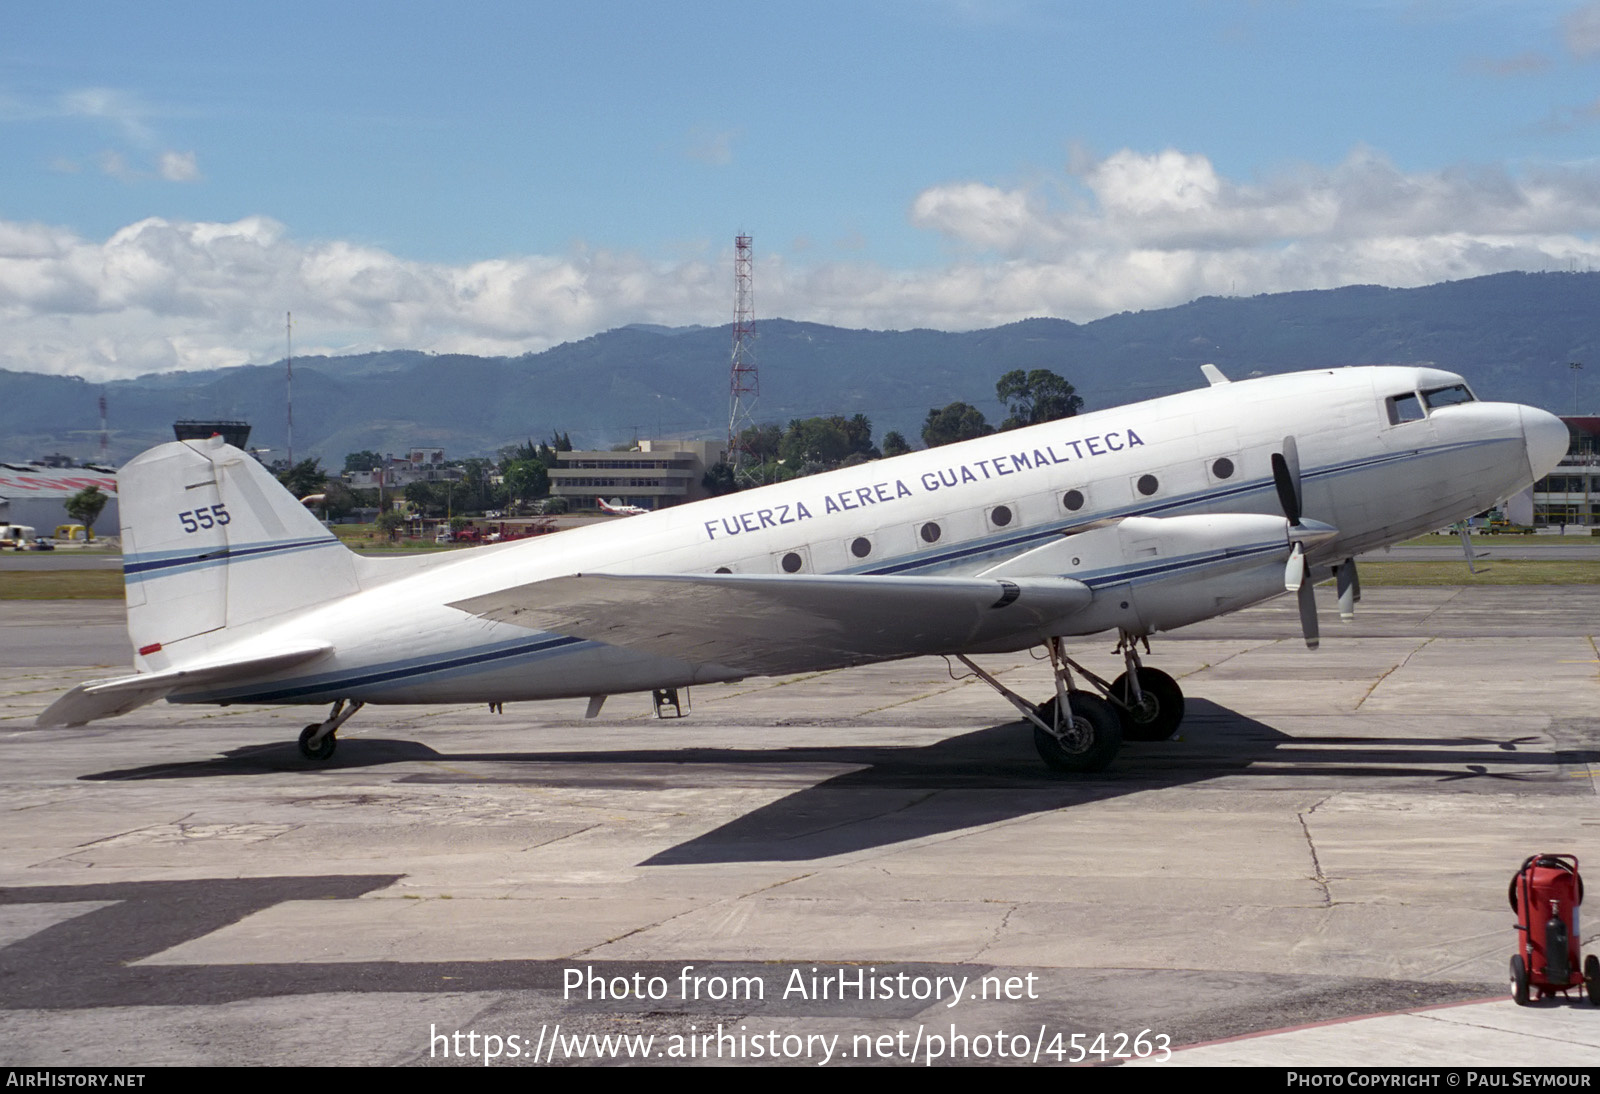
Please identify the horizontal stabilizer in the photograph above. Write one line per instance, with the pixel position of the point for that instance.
(759, 624)
(107, 698)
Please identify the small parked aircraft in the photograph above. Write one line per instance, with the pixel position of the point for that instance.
(617, 509)
(1138, 519)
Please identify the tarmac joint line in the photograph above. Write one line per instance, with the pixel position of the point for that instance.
(1317, 875)
(1404, 661)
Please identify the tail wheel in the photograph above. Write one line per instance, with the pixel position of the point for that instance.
(1158, 711)
(1087, 741)
(1519, 980)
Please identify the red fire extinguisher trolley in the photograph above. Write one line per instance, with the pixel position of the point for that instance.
(1546, 894)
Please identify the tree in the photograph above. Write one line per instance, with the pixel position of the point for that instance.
(527, 479)
(1035, 397)
(821, 444)
(85, 506)
(859, 430)
(546, 452)
(305, 477)
(894, 444)
(819, 441)
(340, 500)
(422, 496)
(475, 489)
(365, 460)
(718, 479)
(390, 523)
(956, 422)
(761, 442)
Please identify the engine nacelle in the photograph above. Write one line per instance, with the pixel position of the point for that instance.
(1157, 573)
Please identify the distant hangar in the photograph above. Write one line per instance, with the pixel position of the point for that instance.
(36, 495)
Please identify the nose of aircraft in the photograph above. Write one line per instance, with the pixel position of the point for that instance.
(1547, 440)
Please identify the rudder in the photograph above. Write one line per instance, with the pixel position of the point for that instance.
(213, 546)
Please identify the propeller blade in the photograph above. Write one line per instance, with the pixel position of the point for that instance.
(1294, 571)
(1349, 589)
(1286, 477)
(1308, 615)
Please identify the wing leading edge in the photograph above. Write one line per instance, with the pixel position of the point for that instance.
(767, 625)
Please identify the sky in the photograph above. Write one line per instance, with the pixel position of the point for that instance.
(496, 178)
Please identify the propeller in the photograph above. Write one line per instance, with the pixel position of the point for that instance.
(1297, 572)
(1286, 477)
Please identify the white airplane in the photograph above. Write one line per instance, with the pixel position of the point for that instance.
(617, 509)
(1137, 519)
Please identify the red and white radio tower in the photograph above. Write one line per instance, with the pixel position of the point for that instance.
(743, 383)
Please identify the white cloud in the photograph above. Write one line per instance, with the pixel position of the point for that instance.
(123, 110)
(1580, 30)
(161, 295)
(1172, 201)
(1131, 230)
(113, 163)
(128, 119)
(179, 167)
(714, 147)
(1137, 230)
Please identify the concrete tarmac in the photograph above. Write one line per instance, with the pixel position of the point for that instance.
(1329, 839)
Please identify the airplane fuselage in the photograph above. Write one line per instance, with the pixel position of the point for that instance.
(1369, 469)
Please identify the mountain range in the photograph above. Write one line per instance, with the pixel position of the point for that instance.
(1511, 335)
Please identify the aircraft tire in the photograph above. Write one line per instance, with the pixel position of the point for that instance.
(1094, 739)
(320, 751)
(1159, 714)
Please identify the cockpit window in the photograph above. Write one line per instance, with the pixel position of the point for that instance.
(1447, 396)
(1404, 408)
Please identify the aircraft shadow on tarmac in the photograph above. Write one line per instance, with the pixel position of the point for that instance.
(899, 793)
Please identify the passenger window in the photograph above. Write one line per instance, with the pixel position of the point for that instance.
(1405, 408)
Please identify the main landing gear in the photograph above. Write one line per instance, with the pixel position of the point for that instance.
(1143, 704)
(318, 740)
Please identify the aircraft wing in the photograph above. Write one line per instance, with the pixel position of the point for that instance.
(106, 698)
(769, 625)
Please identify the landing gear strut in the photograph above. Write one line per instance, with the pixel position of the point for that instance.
(1148, 701)
(1143, 704)
(1076, 730)
(318, 740)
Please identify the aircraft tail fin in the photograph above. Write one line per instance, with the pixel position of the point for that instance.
(212, 544)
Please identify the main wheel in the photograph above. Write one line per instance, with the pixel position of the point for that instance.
(1591, 979)
(1519, 981)
(323, 749)
(1156, 715)
(1088, 741)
